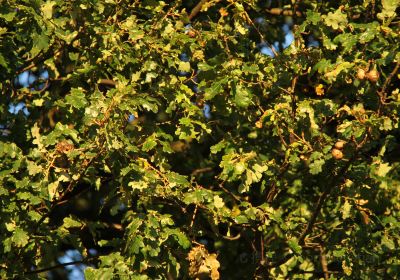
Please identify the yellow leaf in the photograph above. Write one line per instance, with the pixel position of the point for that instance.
(319, 90)
(223, 12)
(47, 9)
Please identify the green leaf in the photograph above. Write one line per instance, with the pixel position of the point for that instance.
(47, 9)
(336, 19)
(8, 16)
(316, 166)
(383, 169)
(346, 208)
(52, 189)
(242, 96)
(197, 196)
(294, 245)
(38, 102)
(388, 243)
(102, 273)
(76, 98)
(338, 68)
(71, 223)
(313, 17)
(218, 202)
(216, 88)
(184, 66)
(217, 147)
(388, 9)
(149, 144)
(176, 179)
(240, 28)
(20, 237)
(3, 61)
(241, 219)
(33, 169)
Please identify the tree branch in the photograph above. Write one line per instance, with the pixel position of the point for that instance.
(310, 224)
(285, 12)
(37, 271)
(197, 9)
(201, 170)
(107, 82)
(324, 263)
(321, 200)
(382, 92)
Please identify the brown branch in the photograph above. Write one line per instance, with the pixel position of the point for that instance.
(320, 203)
(285, 12)
(321, 200)
(193, 217)
(281, 261)
(261, 35)
(236, 237)
(293, 96)
(107, 82)
(201, 170)
(317, 272)
(324, 263)
(39, 58)
(230, 193)
(197, 9)
(382, 92)
(68, 190)
(262, 261)
(57, 266)
(281, 137)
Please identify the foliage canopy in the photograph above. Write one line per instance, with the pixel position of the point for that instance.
(158, 141)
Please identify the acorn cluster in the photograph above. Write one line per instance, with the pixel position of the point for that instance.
(337, 150)
(372, 75)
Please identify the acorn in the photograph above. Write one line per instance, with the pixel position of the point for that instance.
(361, 74)
(191, 33)
(372, 76)
(339, 144)
(337, 154)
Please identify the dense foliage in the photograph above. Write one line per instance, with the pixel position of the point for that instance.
(160, 141)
